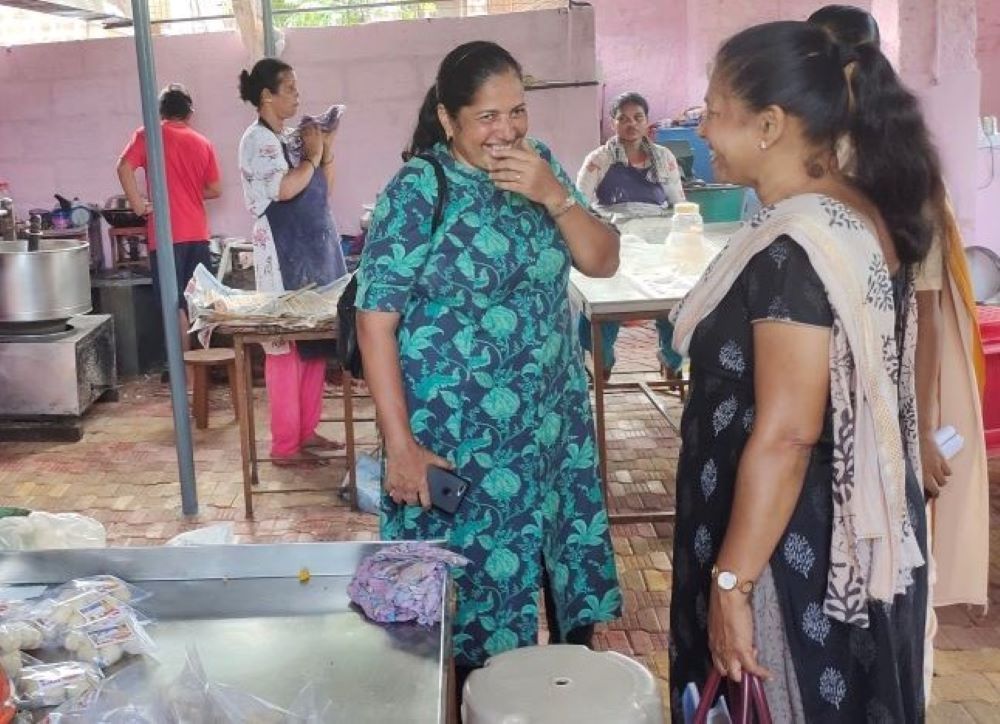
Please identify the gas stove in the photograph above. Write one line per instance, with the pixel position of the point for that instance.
(50, 375)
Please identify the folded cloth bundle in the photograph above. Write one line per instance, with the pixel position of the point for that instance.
(403, 582)
(327, 122)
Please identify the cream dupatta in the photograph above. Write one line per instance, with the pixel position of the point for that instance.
(874, 548)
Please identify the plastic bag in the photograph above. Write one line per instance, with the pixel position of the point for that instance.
(312, 706)
(221, 534)
(193, 698)
(13, 663)
(105, 641)
(20, 635)
(43, 685)
(129, 696)
(103, 584)
(38, 531)
(368, 471)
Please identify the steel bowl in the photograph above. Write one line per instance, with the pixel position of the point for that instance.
(51, 283)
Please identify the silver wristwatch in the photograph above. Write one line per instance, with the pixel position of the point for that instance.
(729, 581)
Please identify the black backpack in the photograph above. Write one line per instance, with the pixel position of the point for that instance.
(348, 351)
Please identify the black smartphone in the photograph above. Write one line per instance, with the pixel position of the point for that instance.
(447, 489)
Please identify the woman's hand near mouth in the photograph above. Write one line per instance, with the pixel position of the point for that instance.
(521, 170)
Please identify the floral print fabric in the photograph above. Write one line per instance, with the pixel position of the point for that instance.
(403, 582)
(843, 672)
(262, 166)
(494, 382)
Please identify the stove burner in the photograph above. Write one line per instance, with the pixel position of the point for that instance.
(48, 330)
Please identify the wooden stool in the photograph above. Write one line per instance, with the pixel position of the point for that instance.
(199, 362)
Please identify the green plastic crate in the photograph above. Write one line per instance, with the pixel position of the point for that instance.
(718, 202)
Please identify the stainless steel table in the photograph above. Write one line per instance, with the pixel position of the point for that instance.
(631, 295)
(257, 628)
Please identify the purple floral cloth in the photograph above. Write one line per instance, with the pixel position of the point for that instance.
(327, 121)
(403, 582)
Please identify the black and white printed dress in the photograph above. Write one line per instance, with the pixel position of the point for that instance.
(842, 673)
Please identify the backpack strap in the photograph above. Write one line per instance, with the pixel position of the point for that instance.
(442, 183)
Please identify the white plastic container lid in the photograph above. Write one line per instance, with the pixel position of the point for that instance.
(686, 207)
(561, 683)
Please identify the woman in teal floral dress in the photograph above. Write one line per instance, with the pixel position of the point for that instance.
(471, 357)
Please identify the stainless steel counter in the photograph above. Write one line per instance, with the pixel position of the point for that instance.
(256, 627)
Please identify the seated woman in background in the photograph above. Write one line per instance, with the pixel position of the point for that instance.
(630, 175)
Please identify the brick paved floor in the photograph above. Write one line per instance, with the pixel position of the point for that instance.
(124, 473)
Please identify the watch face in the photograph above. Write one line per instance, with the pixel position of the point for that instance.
(726, 581)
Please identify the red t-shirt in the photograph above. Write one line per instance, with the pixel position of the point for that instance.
(190, 166)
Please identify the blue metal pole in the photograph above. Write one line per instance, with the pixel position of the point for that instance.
(270, 47)
(164, 253)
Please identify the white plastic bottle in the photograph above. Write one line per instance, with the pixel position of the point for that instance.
(686, 252)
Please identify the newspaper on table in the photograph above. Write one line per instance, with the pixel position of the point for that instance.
(212, 304)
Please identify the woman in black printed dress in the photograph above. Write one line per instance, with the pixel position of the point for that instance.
(799, 543)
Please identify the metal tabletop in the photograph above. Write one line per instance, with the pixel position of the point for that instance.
(637, 292)
(258, 628)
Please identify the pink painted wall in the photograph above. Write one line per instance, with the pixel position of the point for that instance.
(663, 48)
(988, 51)
(67, 109)
(988, 197)
(642, 46)
(937, 59)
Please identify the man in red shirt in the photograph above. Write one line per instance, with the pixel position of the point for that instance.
(192, 173)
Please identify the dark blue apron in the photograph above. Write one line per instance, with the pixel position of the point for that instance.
(626, 184)
(306, 243)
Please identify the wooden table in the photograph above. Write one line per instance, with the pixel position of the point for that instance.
(242, 338)
(624, 298)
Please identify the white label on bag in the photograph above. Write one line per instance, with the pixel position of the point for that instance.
(101, 608)
(111, 635)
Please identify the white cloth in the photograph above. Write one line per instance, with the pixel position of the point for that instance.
(874, 549)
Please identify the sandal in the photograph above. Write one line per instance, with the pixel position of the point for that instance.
(298, 462)
(318, 442)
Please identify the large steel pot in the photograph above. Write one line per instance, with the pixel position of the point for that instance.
(51, 283)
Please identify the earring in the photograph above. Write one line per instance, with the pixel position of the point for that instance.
(763, 145)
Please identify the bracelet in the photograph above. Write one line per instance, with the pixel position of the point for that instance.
(568, 203)
(326, 163)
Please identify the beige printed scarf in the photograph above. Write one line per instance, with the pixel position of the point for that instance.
(874, 549)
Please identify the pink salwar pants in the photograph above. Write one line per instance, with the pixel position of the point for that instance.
(295, 393)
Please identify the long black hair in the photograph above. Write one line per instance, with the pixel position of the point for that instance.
(849, 25)
(266, 73)
(460, 76)
(800, 68)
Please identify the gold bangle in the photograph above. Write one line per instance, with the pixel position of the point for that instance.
(568, 203)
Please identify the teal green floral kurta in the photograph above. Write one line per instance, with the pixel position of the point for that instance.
(494, 382)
